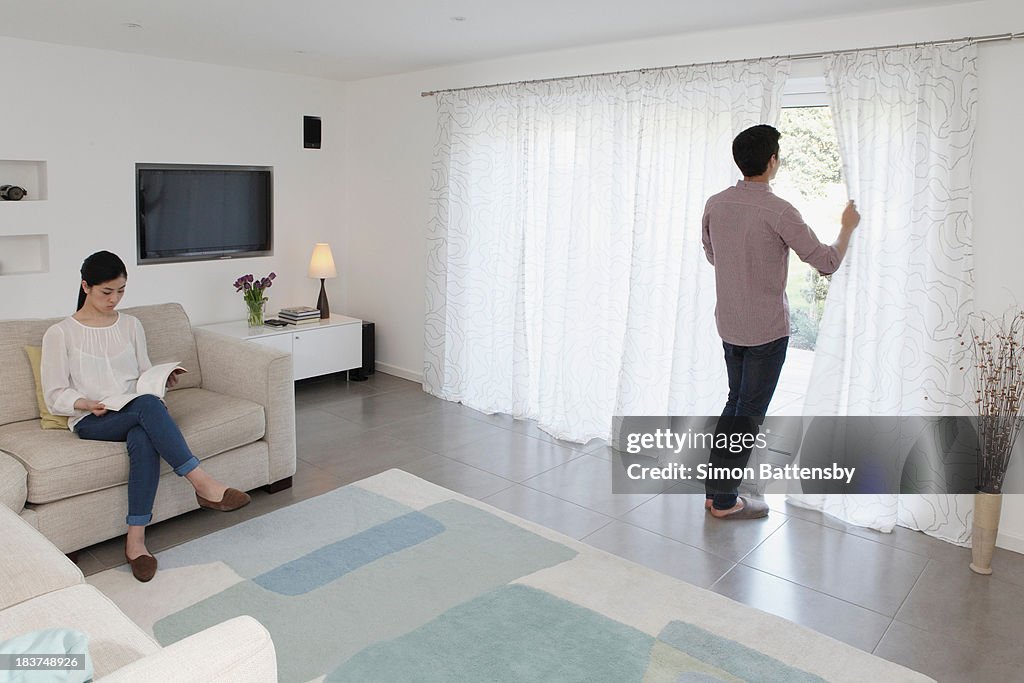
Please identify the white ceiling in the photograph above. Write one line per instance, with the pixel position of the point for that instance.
(346, 40)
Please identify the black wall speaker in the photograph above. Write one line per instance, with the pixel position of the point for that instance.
(369, 355)
(311, 132)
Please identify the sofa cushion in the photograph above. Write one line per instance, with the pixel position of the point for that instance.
(114, 641)
(168, 337)
(13, 483)
(47, 420)
(214, 423)
(18, 397)
(61, 465)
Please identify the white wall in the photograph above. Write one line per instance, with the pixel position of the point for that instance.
(390, 132)
(92, 114)
(999, 222)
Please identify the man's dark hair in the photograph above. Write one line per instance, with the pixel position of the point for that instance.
(753, 148)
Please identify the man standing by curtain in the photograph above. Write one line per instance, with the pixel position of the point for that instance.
(747, 235)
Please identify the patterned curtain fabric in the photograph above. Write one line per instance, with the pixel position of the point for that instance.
(887, 344)
(565, 277)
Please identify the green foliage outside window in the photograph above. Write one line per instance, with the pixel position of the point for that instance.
(811, 179)
(810, 150)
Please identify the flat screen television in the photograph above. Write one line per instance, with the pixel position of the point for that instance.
(195, 213)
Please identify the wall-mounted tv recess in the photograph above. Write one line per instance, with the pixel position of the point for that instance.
(199, 213)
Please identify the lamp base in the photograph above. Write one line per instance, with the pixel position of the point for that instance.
(321, 304)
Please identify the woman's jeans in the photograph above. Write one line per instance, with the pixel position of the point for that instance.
(151, 434)
(753, 374)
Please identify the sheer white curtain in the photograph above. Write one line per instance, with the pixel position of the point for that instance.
(887, 344)
(565, 277)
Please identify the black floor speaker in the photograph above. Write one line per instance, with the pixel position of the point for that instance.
(369, 356)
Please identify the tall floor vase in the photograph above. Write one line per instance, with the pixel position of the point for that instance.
(987, 508)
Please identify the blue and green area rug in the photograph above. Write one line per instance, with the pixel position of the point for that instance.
(396, 579)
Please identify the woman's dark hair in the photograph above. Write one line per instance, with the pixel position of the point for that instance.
(100, 267)
(753, 149)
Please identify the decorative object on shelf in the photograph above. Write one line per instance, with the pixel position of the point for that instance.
(997, 347)
(300, 315)
(12, 193)
(252, 292)
(321, 265)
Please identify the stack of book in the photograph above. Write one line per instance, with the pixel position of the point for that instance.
(300, 315)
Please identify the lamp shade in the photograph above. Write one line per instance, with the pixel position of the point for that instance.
(321, 264)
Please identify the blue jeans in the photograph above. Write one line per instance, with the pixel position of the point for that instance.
(753, 374)
(151, 434)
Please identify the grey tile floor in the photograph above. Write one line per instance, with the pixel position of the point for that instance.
(903, 596)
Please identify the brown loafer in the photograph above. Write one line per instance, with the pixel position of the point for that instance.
(232, 500)
(143, 567)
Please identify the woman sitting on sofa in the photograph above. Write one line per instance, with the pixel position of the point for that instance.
(97, 353)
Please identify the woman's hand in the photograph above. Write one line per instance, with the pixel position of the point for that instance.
(172, 378)
(94, 407)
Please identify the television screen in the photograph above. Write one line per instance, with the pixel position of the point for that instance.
(191, 213)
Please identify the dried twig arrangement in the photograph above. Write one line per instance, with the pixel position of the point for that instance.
(997, 346)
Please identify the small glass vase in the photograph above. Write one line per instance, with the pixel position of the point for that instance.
(255, 312)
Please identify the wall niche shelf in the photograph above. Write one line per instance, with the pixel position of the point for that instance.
(30, 175)
(24, 254)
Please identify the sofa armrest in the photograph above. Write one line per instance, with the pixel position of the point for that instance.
(236, 650)
(29, 564)
(13, 483)
(246, 370)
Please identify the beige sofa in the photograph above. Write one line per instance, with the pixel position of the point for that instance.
(40, 589)
(235, 407)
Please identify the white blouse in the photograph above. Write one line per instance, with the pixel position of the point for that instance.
(91, 362)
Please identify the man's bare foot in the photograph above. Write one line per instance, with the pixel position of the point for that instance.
(745, 508)
(725, 513)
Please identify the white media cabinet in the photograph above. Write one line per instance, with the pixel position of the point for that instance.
(333, 345)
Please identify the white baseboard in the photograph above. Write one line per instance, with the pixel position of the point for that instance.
(1014, 542)
(399, 372)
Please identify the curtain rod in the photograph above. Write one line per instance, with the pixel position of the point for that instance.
(995, 37)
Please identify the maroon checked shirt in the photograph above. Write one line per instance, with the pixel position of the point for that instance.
(747, 235)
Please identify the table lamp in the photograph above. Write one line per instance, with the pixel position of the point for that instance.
(321, 265)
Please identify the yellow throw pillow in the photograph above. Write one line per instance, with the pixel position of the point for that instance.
(46, 419)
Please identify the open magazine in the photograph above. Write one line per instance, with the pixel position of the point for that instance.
(152, 381)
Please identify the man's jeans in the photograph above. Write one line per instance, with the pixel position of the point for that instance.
(151, 434)
(753, 374)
